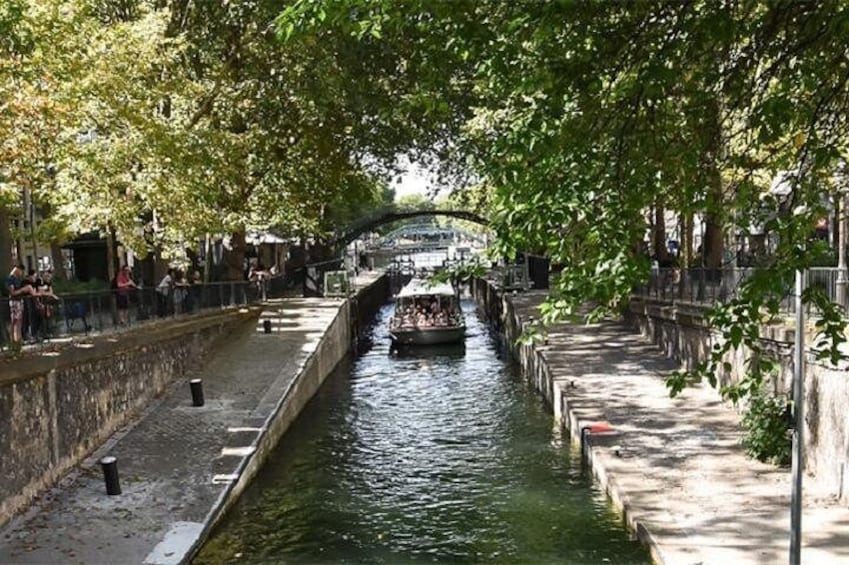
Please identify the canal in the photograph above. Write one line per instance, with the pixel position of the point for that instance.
(440, 455)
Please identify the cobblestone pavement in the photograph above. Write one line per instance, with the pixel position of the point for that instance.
(173, 462)
(676, 465)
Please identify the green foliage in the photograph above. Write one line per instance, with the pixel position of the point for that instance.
(568, 122)
(171, 120)
(766, 424)
(461, 273)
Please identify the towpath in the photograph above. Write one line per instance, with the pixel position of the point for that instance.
(676, 466)
(177, 460)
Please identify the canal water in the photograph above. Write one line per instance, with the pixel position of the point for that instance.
(442, 455)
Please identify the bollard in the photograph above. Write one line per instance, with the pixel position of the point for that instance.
(266, 325)
(197, 391)
(110, 475)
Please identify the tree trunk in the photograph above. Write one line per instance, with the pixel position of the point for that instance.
(58, 261)
(659, 233)
(5, 242)
(110, 254)
(713, 244)
(111, 272)
(207, 254)
(30, 211)
(687, 243)
(234, 259)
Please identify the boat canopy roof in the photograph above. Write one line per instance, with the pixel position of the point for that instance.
(420, 287)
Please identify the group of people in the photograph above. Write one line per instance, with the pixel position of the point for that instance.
(424, 315)
(177, 294)
(31, 303)
(27, 300)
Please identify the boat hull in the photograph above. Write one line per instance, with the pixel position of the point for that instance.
(428, 336)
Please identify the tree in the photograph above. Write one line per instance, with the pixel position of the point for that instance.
(191, 118)
(580, 116)
(34, 60)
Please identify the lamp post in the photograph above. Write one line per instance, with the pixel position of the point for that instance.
(798, 462)
(840, 291)
(782, 188)
(700, 296)
(843, 225)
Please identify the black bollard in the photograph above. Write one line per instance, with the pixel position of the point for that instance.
(197, 391)
(110, 475)
(266, 325)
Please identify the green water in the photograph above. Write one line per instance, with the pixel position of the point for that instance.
(437, 456)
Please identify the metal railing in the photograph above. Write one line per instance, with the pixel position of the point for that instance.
(47, 320)
(713, 286)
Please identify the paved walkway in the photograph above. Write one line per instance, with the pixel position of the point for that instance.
(174, 463)
(676, 465)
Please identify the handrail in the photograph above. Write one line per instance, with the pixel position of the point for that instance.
(45, 320)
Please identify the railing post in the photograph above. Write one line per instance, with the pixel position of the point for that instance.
(92, 311)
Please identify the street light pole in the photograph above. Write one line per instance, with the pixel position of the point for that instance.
(798, 464)
(841, 284)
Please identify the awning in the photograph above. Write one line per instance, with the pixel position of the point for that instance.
(421, 287)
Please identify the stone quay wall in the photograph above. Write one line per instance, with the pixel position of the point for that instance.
(682, 332)
(500, 312)
(335, 346)
(56, 409)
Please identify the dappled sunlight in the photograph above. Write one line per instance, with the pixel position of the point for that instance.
(678, 461)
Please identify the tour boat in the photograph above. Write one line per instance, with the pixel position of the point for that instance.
(427, 314)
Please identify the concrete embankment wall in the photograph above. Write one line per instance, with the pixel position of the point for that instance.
(500, 312)
(681, 331)
(333, 347)
(56, 409)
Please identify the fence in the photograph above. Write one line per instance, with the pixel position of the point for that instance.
(721, 285)
(48, 320)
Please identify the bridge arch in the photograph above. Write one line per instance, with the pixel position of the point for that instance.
(368, 224)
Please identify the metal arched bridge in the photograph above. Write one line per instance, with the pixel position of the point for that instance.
(368, 224)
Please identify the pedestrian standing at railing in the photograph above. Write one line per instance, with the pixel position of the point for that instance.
(15, 291)
(32, 317)
(163, 293)
(124, 285)
(46, 300)
(181, 292)
(195, 289)
(258, 275)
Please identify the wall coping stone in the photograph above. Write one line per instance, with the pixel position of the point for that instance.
(106, 345)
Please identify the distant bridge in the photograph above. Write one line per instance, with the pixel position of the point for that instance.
(369, 224)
